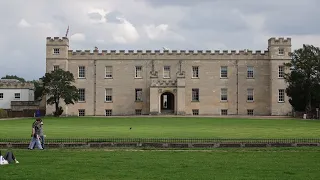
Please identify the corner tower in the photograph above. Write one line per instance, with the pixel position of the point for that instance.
(279, 53)
(56, 57)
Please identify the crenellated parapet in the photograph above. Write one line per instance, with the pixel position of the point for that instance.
(279, 41)
(180, 53)
(10, 84)
(57, 41)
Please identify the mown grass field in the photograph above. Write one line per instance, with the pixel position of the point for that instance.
(222, 164)
(164, 127)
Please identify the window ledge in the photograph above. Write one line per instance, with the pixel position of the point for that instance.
(250, 77)
(81, 102)
(195, 101)
(250, 101)
(223, 101)
(223, 77)
(82, 78)
(281, 101)
(138, 77)
(108, 101)
(137, 101)
(108, 77)
(195, 78)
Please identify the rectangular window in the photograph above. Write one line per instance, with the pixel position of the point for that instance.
(250, 95)
(195, 71)
(281, 72)
(195, 112)
(224, 112)
(281, 95)
(81, 112)
(55, 67)
(166, 72)
(82, 95)
(56, 51)
(108, 71)
(108, 95)
(224, 72)
(250, 112)
(195, 94)
(224, 94)
(108, 112)
(17, 95)
(250, 72)
(138, 73)
(138, 111)
(138, 94)
(82, 72)
(281, 51)
(1, 95)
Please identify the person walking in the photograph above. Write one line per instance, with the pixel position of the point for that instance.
(35, 135)
(41, 134)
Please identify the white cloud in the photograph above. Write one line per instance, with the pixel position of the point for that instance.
(23, 24)
(98, 15)
(125, 32)
(78, 37)
(161, 32)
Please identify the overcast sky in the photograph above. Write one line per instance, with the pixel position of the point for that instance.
(148, 24)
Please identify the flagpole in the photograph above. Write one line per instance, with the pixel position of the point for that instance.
(67, 31)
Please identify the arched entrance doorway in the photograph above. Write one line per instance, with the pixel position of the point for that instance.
(167, 103)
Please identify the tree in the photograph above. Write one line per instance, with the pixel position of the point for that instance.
(14, 77)
(57, 85)
(304, 78)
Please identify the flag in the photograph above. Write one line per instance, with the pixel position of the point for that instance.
(67, 32)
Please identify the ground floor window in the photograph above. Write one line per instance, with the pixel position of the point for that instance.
(81, 112)
(224, 112)
(108, 112)
(195, 111)
(250, 112)
(138, 111)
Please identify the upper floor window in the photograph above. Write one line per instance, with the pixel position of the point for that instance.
(82, 95)
(166, 72)
(108, 95)
(108, 71)
(250, 72)
(223, 71)
(56, 51)
(224, 94)
(1, 95)
(138, 73)
(195, 94)
(138, 95)
(281, 51)
(281, 71)
(195, 71)
(82, 72)
(281, 95)
(250, 95)
(55, 67)
(17, 95)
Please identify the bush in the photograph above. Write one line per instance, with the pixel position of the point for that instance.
(58, 112)
(3, 113)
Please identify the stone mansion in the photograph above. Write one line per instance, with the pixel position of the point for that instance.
(174, 82)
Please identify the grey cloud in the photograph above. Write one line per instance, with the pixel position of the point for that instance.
(95, 16)
(159, 3)
(112, 17)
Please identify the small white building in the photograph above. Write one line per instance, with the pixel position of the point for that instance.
(14, 90)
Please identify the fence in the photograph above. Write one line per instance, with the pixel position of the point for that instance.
(24, 113)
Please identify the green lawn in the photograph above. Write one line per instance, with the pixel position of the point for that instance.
(222, 164)
(164, 127)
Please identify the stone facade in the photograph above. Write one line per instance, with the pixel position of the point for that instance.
(193, 81)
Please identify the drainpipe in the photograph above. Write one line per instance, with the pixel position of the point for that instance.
(94, 87)
(237, 66)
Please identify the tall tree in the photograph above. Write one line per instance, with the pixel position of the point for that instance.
(304, 78)
(57, 86)
(14, 77)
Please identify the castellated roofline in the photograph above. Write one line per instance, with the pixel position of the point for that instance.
(16, 85)
(279, 41)
(165, 52)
